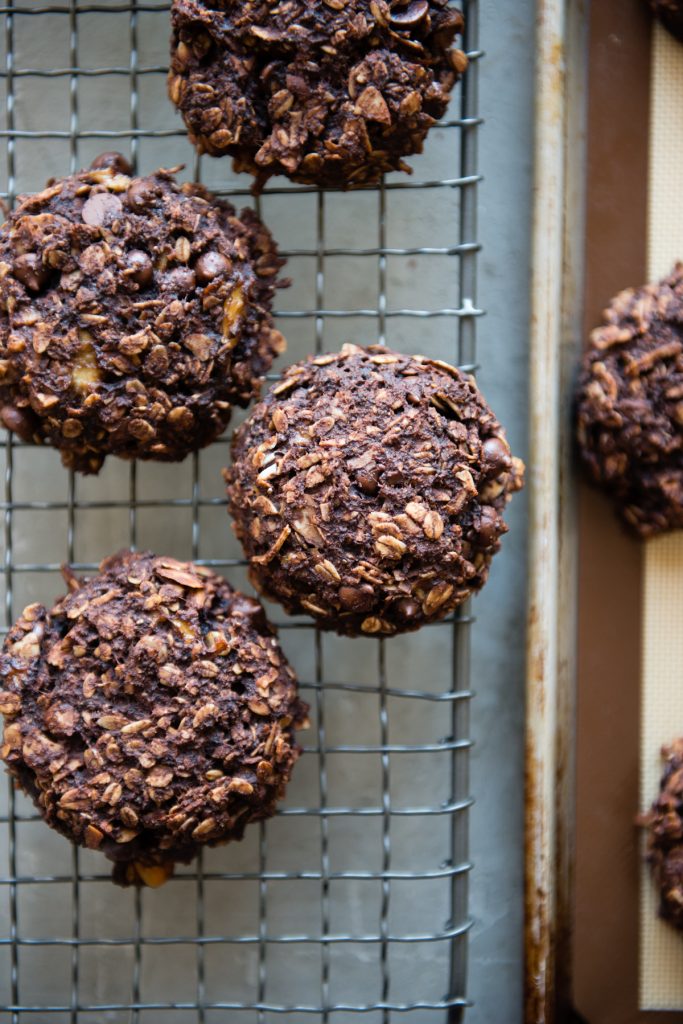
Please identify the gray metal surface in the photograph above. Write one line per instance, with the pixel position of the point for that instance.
(343, 902)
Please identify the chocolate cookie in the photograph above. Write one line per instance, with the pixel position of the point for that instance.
(665, 836)
(367, 490)
(134, 312)
(670, 13)
(630, 405)
(332, 93)
(149, 713)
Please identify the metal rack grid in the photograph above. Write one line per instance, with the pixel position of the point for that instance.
(27, 991)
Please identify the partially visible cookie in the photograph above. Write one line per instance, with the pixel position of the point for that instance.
(670, 13)
(630, 405)
(664, 823)
(149, 713)
(333, 93)
(134, 313)
(368, 490)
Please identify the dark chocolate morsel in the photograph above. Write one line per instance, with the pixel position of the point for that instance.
(101, 209)
(496, 455)
(29, 269)
(141, 266)
(324, 537)
(408, 609)
(141, 194)
(210, 265)
(180, 280)
(116, 161)
(368, 480)
(19, 421)
(407, 17)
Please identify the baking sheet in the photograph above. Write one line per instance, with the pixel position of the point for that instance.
(661, 947)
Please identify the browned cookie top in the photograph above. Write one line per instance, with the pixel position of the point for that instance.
(367, 489)
(151, 711)
(133, 313)
(670, 13)
(334, 92)
(630, 405)
(665, 836)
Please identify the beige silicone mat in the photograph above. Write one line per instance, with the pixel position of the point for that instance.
(661, 948)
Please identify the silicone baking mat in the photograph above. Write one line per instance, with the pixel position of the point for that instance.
(661, 947)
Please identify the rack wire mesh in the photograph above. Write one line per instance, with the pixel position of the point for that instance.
(352, 902)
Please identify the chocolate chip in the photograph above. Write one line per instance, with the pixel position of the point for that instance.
(488, 526)
(116, 161)
(101, 209)
(406, 17)
(368, 480)
(141, 265)
(140, 194)
(407, 609)
(209, 265)
(496, 455)
(181, 280)
(18, 421)
(29, 270)
(356, 599)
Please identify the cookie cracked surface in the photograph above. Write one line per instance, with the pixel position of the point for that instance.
(149, 712)
(630, 405)
(134, 313)
(332, 93)
(368, 489)
(664, 823)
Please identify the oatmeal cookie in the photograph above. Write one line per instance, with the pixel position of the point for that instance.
(670, 13)
(134, 312)
(630, 405)
(368, 489)
(333, 93)
(664, 823)
(149, 713)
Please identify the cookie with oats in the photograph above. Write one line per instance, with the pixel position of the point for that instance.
(134, 313)
(333, 93)
(670, 13)
(149, 713)
(368, 490)
(630, 405)
(664, 824)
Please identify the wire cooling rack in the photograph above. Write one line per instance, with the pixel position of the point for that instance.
(353, 900)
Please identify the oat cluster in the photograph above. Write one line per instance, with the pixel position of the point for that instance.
(664, 823)
(368, 490)
(134, 312)
(333, 93)
(630, 405)
(149, 713)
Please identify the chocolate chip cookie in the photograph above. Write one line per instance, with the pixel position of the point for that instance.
(134, 313)
(664, 823)
(630, 405)
(670, 13)
(333, 93)
(149, 713)
(368, 489)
